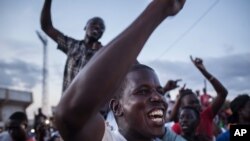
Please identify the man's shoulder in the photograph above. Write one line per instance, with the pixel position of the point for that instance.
(112, 135)
(4, 133)
(223, 136)
(65, 39)
(171, 136)
(5, 136)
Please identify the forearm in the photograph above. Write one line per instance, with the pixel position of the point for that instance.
(166, 89)
(174, 114)
(45, 20)
(111, 64)
(219, 88)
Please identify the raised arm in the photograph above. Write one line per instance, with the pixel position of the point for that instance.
(77, 112)
(46, 23)
(174, 114)
(171, 85)
(219, 88)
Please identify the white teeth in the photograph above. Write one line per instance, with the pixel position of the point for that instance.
(95, 32)
(157, 116)
(184, 127)
(156, 113)
(157, 119)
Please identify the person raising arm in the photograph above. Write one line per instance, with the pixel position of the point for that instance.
(77, 116)
(189, 98)
(219, 88)
(78, 52)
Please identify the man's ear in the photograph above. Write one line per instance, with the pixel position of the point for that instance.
(116, 107)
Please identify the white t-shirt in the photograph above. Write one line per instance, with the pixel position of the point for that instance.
(171, 136)
(111, 120)
(114, 135)
(5, 136)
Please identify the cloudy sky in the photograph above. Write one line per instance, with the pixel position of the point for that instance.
(218, 31)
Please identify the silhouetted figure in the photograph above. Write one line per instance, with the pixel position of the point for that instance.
(134, 91)
(189, 119)
(40, 125)
(189, 98)
(240, 107)
(78, 52)
(17, 128)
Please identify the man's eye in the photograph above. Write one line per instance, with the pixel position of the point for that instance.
(143, 91)
(160, 91)
(181, 117)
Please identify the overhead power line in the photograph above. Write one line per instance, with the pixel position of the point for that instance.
(188, 30)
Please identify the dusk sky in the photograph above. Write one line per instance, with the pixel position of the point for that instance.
(218, 31)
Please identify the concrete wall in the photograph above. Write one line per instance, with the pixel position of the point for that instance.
(13, 100)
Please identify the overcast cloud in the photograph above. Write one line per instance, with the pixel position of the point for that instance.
(221, 38)
(232, 71)
(18, 73)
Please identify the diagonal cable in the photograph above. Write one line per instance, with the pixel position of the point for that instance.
(187, 31)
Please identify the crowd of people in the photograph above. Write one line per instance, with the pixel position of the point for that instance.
(109, 96)
(189, 118)
(19, 128)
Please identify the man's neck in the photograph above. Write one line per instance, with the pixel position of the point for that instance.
(89, 42)
(189, 136)
(131, 137)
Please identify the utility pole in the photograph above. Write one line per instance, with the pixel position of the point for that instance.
(45, 98)
(205, 85)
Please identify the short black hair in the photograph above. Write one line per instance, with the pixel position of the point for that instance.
(96, 19)
(139, 66)
(197, 113)
(16, 119)
(185, 92)
(239, 102)
(135, 67)
(235, 105)
(18, 116)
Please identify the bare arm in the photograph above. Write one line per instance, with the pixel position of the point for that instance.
(219, 88)
(174, 114)
(78, 108)
(171, 85)
(46, 23)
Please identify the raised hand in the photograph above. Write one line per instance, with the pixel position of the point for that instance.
(182, 88)
(219, 88)
(171, 84)
(172, 7)
(198, 63)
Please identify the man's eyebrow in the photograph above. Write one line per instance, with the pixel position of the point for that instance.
(144, 85)
(141, 87)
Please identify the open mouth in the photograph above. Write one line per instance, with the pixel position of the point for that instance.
(95, 33)
(184, 127)
(157, 116)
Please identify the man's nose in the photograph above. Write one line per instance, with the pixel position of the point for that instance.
(156, 96)
(99, 27)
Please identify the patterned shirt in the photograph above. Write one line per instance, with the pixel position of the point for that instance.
(77, 57)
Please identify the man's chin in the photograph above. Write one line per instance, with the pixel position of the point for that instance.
(159, 133)
(95, 37)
